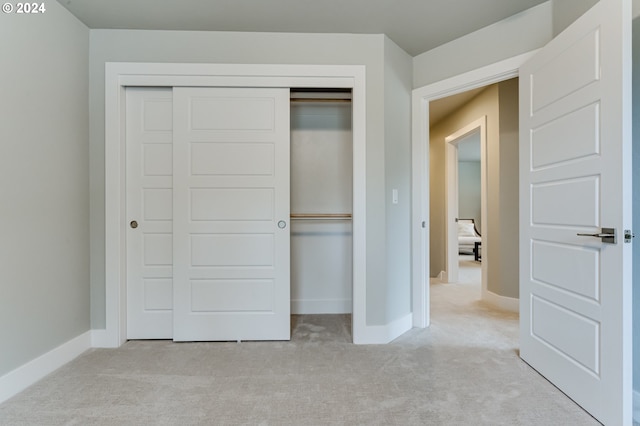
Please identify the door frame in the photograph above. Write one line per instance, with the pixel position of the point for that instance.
(122, 74)
(484, 76)
(453, 190)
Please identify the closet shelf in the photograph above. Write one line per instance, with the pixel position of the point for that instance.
(319, 100)
(321, 216)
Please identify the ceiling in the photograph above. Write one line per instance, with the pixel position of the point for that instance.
(415, 25)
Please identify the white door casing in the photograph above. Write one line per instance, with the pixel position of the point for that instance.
(149, 136)
(494, 73)
(575, 177)
(452, 207)
(231, 214)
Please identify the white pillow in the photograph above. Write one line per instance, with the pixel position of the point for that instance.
(466, 230)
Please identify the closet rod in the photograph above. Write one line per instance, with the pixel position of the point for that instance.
(321, 216)
(319, 100)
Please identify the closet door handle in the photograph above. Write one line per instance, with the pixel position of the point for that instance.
(282, 224)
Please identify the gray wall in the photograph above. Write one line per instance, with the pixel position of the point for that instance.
(44, 175)
(567, 11)
(469, 192)
(636, 204)
(518, 34)
(383, 276)
(398, 73)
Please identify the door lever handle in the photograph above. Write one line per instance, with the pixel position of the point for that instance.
(607, 235)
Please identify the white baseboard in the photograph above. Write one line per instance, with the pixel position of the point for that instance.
(509, 304)
(100, 339)
(442, 276)
(323, 306)
(383, 334)
(636, 406)
(24, 376)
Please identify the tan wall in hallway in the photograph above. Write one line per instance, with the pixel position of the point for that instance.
(486, 103)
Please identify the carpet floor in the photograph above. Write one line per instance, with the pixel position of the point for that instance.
(463, 370)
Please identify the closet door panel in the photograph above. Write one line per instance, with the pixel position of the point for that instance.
(231, 212)
(149, 137)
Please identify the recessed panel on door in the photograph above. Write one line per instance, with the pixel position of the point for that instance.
(232, 204)
(579, 273)
(576, 202)
(218, 250)
(235, 114)
(232, 159)
(230, 295)
(573, 69)
(552, 323)
(578, 131)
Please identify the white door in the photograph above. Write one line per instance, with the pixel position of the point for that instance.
(149, 201)
(231, 214)
(575, 291)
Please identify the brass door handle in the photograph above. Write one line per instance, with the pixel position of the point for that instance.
(133, 224)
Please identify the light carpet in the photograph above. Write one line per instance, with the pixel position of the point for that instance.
(463, 370)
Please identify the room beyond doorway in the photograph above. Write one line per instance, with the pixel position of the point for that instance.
(494, 110)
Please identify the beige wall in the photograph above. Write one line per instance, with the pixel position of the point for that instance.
(485, 104)
(508, 197)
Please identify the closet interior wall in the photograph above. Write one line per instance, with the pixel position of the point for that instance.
(321, 202)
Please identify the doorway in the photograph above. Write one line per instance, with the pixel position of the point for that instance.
(423, 174)
(465, 177)
(559, 88)
(489, 113)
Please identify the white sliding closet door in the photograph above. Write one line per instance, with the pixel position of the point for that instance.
(231, 214)
(149, 136)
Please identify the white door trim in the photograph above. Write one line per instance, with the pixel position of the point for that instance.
(494, 73)
(120, 75)
(451, 207)
(451, 164)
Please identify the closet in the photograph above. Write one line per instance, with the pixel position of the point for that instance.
(238, 211)
(321, 202)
